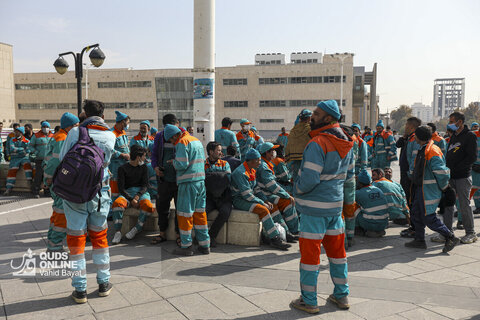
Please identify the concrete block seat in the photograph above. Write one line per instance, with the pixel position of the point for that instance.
(242, 228)
(21, 184)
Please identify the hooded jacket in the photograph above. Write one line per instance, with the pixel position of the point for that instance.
(462, 153)
(217, 178)
(440, 142)
(189, 159)
(267, 181)
(297, 141)
(244, 186)
(227, 138)
(38, 144)
(52, 158)
(328, 163)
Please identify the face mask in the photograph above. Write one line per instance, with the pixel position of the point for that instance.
(127, 127)
(452, 126)
(140, 163)
(274, 154)
(247, 127)
(46, 130)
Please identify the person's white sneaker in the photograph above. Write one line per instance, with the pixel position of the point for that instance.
(117, 237)
(131, 234)
(438, 238)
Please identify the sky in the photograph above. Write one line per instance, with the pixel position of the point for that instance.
(413, 41)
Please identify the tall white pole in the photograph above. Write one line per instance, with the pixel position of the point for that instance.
(204, 70)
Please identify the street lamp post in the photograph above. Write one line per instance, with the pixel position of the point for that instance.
(342, 58)
(96, 57)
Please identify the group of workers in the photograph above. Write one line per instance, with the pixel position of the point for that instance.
(312, 186)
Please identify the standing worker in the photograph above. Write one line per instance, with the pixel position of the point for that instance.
(121, 154)
(189, 164)
(91, 215)
(298, 139)
(57, 231)
(226, 137)
(384, 150)
(245, 138)
(328, 161)
(38, 147)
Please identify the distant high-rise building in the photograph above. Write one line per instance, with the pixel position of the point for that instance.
(423, 112)
(448, 94)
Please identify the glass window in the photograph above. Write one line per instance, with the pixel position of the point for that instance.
(60, 85)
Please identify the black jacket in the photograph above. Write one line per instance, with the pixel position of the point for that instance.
(461, 154)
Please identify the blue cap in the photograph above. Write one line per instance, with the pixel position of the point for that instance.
(120, 116)
(252, 154)
(305, 113)
(21, 129)
(356, 125)
(380, 123)
(253, 128)
(146, 122)
(364, 177)
(244, 121)
(169, 131)
(330, 107)
(68, 119)
(264, 147)
(153, 131)
(474, 124)
(45, 124)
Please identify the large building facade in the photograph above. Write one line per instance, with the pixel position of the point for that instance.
(7, 93)
(423, 112)
(448, 94)
(270, 93)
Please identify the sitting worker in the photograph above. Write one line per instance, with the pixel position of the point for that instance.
(372, 207)
(18, 152)
(246, 138)
(120, 155)
(282, 174)
(10, 136)
(132, 187)
(248, 197)
(230, 157)
(143, 139)
(397, 202)
(217, 183)
(274, 192)
(258, 139)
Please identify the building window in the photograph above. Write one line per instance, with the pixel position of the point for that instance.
(273, 103)
(139, 84)
(272, 120)
(27, 106)
(235, 82)
(296, 80)
(105, 85)
(129, 105)
(235, 104)
(60, 85)
(272, 80)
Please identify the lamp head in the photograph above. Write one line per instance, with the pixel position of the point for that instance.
(97, 57)
(61, 65)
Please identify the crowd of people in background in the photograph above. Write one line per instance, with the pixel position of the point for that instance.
(323, 183)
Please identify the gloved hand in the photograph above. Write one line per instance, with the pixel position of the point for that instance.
(450, 196)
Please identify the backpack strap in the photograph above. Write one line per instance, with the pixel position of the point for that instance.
(83, 136)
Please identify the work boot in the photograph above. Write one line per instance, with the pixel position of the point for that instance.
(460, 225)
(407, 233)
(278, 243)
(469, 238)
(104, 289)
(213, 242)
(476, 211)
(301, 305)
(203, 250)
(117, 237)
(291, 238)
(342, 303)
(450, 243)
(417, 244)
(183, 251)
(359, 231)
(131, 234)
(79, 296)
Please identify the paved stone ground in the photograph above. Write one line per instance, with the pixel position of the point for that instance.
(387, 280)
